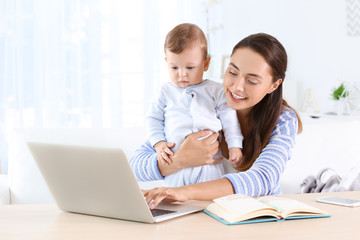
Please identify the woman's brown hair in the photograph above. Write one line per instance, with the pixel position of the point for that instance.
(265, 114)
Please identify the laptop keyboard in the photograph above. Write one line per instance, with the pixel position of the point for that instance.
(159, 212)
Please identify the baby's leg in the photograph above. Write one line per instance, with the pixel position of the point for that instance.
(193, 175)
(206, 172)
(196, 174)
(212, 171)
(175, 179)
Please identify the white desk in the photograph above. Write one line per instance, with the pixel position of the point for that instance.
(48, 222)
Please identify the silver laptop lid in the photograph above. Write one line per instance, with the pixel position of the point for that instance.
(89, 180)
(96, 181)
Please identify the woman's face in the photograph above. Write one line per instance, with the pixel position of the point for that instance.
(247, 80)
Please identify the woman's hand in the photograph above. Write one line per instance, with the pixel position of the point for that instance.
(164, 194)
(193, 153)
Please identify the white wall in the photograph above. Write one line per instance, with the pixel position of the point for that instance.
(314, 33)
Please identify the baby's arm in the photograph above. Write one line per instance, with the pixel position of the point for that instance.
(163, 152)
(155, 120)
(229, 121)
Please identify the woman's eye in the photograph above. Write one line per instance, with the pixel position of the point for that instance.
(232, 73)
(251, 82)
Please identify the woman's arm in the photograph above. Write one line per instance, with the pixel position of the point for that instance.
(144, 163)
(204, 191)
(191, 153)
(263, 177)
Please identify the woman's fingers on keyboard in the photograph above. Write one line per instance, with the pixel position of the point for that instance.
(152, 196)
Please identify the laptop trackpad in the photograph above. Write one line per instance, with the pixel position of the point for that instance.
(174, 210)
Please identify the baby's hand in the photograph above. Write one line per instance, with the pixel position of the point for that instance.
(235, 156)
(163, 152)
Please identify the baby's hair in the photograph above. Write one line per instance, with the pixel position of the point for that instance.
(182, 36)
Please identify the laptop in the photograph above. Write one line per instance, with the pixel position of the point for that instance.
(98, 181)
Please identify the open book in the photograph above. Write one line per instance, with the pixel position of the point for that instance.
(240, 209)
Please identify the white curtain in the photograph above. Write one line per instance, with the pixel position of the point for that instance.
(83, 63)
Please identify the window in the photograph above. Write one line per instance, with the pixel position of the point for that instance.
(80, 63)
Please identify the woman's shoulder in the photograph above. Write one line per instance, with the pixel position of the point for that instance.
(287, 114)
(288, 122)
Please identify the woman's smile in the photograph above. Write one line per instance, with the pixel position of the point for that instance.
(236, 97)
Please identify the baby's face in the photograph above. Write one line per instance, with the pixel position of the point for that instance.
(187, 68)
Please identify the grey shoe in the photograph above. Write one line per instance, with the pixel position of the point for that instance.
(327, 180)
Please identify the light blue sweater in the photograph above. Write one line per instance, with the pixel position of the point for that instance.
(178, 112)
(261, 179)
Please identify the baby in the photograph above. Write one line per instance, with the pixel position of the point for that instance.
(189, 104)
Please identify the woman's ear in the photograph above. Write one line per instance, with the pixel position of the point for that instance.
(207, 63)
(275, 85)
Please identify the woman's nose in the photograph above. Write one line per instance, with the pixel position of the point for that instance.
(239, 84)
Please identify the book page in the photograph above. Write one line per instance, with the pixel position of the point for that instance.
(241, 207)
(290, 207)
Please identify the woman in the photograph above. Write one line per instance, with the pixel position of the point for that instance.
(253, 87)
